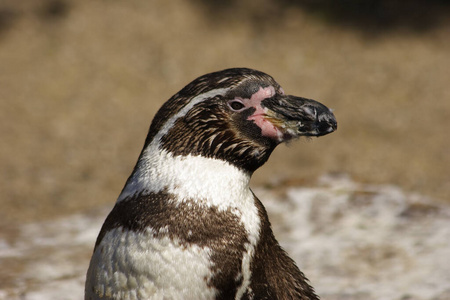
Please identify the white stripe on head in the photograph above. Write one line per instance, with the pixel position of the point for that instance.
(200, 98)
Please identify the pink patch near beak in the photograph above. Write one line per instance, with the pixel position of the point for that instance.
(267, 128)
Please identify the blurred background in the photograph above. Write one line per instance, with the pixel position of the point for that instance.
(80, 82)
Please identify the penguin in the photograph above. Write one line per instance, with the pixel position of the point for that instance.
(186, 225)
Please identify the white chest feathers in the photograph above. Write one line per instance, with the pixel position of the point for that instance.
(159, 261)
(130, 265)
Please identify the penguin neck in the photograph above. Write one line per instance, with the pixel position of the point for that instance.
(205, 180)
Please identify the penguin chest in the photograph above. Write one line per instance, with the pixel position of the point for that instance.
(138, 265)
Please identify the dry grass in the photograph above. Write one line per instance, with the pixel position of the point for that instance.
(81, 80)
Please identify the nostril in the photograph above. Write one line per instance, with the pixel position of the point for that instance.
(332, 124)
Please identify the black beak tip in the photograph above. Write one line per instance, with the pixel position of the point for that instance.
(326, 123)
(332, 123)
(306, 116)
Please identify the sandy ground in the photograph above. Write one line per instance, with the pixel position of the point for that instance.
(81, 80)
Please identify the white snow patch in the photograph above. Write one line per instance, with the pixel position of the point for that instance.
(356, 241)
(52, 258)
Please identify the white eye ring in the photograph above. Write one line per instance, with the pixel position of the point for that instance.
(236, 105)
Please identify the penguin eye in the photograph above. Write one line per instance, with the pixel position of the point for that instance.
(236, 105)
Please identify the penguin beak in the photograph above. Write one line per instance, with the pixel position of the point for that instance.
(295, 116)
